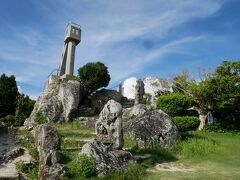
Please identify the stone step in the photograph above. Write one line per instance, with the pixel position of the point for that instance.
(8, 172)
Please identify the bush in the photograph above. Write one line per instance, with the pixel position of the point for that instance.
(94, 76)
(175, 104)
(31, 170)
(147, 99)
(19, 119)
(40, 118)
(186, 123)
(10, 119)
(83, 166)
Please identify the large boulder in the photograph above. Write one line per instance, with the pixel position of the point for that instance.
(59, 101)
(48, 144)
(106, 148)
(106, 158)
(135, 111)
(152, 128)
(109, 125)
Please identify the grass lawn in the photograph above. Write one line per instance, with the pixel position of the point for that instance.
(207, 155)
(212, 155)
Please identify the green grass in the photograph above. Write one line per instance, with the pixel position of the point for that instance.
(211, 155)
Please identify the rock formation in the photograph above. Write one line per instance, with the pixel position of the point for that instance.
(152, 86)
(107, 159)
(109, 126)
(133, 112)
(106, 148)
(48, 145)
(139, 92)
(152, 128)
(3, 127)
(59, 101)
(95, 103)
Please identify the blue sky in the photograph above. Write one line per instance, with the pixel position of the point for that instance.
(132, 37)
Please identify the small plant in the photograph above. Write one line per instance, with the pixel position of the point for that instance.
(132, 172)
(31, 170)
(132, 117)
(147, 99)
(186, 123)
(40, 118)
(83, 166)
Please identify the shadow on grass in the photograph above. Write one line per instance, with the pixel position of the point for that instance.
(158, 155)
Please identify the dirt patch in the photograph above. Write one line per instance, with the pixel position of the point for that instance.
(172, 167)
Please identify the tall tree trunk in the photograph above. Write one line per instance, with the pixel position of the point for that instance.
(202, 118)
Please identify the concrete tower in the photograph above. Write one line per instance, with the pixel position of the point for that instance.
(72, 39)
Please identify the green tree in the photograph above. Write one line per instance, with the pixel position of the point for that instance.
(175, 104)
(24, 107)
(218, 92)
(8, 95)
(94, 76)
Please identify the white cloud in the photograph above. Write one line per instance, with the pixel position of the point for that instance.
(106, 27)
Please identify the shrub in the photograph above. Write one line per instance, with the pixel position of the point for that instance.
(175, 104)
(147, 99)
(40, 118)
(10, 119)
(186, 123)
(19, 119)
(94, 76)
(83, 166)
(31, 170)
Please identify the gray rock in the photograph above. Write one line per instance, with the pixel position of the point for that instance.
(59, 101)
(100, 98)
(88, 122)
(152, 128)
(135, 111)
(48, 145)
(109, 125)
(139, 92)
(14, 153)
(106, 158)
(3, 127)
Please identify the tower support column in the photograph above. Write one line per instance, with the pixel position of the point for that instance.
(70, 58)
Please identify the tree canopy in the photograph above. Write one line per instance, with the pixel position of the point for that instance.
(218, 92)
(8, 95)
(94, 76)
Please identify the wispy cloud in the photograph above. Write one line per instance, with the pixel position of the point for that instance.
(110, 30)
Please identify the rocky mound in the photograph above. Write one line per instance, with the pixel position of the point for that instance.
(59, 101)
(107, 147)
(152, 128)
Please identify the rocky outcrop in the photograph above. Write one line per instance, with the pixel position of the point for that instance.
(48, 144)
(152, 128)
(88, 122)
(107, 147)
(106, 158)
(13, 153)
(152, 86)
(59, 101)
(139, 92)
(135, 111)
(109, 125)
(95, 103)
